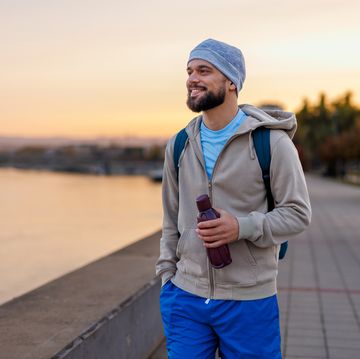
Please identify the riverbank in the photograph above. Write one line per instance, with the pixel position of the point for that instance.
(130, 167)
(108, 308)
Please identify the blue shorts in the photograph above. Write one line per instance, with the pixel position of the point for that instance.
(244, 329)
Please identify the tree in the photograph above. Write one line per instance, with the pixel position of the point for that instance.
(327, 133)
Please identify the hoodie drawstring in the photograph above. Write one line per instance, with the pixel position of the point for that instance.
(251, 146)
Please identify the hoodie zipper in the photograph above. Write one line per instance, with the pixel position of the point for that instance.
(200, 157)
(211, 269)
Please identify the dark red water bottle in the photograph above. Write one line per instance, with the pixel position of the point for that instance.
(219, 257)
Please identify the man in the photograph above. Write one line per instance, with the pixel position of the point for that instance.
(234, 308)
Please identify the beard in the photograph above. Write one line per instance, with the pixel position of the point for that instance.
(206, 101)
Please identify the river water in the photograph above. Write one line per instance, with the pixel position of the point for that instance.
(52, 223)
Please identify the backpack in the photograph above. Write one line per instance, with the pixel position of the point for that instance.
(261, 138)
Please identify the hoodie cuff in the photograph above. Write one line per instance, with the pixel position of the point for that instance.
(246, 227)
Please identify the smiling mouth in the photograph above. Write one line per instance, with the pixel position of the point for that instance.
(193, 92)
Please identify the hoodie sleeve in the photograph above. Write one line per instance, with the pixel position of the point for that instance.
(166, 264)
(292, 212)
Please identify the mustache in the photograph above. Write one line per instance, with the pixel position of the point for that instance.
(196, 88)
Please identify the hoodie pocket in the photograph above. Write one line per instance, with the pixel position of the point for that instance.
(192, 254)
(242, 272)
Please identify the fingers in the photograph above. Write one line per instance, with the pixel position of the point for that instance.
(213, 241)
(212, 237)
(213, 231)
(210, 224)
(210, 231)
(215, 244)
(217, 232)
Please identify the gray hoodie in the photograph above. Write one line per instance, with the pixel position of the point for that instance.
(237, 187)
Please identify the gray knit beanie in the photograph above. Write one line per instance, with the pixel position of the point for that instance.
(226, 58)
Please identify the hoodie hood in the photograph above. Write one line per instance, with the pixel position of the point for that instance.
(256, 117)
(273, 119)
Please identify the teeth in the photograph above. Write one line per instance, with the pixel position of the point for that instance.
(195, 92)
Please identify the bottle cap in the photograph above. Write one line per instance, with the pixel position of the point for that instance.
(203, 202)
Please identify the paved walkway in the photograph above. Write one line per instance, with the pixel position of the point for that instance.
(319, 281)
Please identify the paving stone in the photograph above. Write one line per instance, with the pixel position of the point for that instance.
(342, 334)
(344, 343)
(304, 332)
(341, 353)
(307, 341)
(306, 350)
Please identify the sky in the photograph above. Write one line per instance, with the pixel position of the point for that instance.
(87, 68)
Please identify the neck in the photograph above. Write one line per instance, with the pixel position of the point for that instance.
(220, 116)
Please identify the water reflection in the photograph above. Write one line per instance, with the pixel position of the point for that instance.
(53, 223)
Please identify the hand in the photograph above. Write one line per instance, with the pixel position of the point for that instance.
(217, 232)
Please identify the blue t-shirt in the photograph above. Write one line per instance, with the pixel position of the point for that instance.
(212, 142)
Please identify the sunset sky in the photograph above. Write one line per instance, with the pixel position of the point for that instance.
(113, 68)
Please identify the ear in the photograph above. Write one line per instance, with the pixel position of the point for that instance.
(232, 86)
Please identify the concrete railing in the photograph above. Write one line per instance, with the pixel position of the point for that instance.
(108, 309)
(132, 330)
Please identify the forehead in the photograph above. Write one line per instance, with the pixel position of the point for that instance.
(199, 63)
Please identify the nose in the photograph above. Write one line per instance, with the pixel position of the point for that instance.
(192, 78)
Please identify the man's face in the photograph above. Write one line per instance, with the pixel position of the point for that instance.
(206, 86)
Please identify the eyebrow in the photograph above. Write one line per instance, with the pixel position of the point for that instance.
(200, 67)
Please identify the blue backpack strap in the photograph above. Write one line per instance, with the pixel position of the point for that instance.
(261, 138)
(283, 249)
(179, 145)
